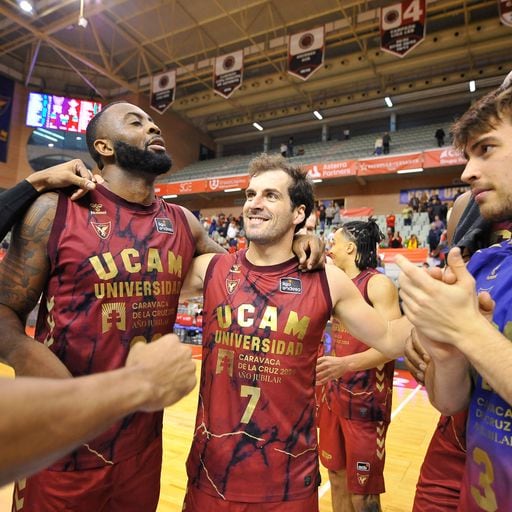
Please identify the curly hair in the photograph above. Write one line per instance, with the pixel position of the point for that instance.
(301, 189)
(484, 115)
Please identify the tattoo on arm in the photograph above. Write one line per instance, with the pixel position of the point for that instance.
(24, 270)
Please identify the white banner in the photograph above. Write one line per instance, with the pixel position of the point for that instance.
(227, 75)
(163, 90)
(306, 52)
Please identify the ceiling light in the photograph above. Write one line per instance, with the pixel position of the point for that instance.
(79, 138)
(82, 20)
(45, 136)
(26, 6)
(388, 101)
(410, 171)
(232, 190)
(318, 115)
(472, 86)
(50, 144)
(317, 180)
(170, 196)
(257, 126)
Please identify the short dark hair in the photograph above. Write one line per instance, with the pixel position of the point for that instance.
(91, 133)
(484, 115)
(301, 189)
(366, 236)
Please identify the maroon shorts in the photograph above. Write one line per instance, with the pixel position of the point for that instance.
(132, 485)
(438, 487)
(199, 501)
(356, 446)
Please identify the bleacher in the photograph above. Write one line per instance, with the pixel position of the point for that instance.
(420, 225)
(360, 146)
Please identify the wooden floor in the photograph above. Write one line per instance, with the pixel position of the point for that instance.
(408, 437)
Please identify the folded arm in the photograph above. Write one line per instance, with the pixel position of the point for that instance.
(23, 273)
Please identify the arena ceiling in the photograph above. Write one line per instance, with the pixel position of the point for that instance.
(127, 41)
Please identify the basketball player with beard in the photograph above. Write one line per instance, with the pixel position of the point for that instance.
(110, 267)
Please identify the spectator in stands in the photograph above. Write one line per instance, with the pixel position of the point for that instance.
(329, 213)
(439, 224)
(300, 151)
(378, 146)
(407, 213)
(414, 202)
(336, 220)
(437, 208)
(346, 133)
(321, 215)
(213, 226)
(412, 242)
(390, 222)
(433, 237)
(440, 135)
(283, 148)
(396, 241)
(232, 230)
(386, 139)
(424, 202)
(289, 151)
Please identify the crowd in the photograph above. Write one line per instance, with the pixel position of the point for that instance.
(102, 262)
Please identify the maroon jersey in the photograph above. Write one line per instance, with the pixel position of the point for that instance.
(365, 394)
(255, 437)
(116, 271)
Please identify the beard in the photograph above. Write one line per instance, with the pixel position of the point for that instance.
(138, 160)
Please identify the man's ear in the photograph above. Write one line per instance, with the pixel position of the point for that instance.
(300, 214)
(104, 147)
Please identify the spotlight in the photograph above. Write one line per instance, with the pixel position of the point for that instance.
(82, 22)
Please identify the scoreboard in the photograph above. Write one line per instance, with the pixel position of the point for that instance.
(60, 113)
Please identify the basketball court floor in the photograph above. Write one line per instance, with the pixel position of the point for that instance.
(412, 425)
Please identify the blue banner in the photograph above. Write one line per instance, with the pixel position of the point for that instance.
(6, 99)
(445, 194)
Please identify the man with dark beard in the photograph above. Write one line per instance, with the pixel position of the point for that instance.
(110, 267)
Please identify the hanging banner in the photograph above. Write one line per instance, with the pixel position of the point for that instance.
(6, 96)
(505, 7)
(163, 89)
(306, 52)
(227, 74)
(402, 26)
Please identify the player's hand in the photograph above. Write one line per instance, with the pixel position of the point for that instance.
(329, 368)
(68, 174)
(310, 249)
(416, 357)
(167, 366)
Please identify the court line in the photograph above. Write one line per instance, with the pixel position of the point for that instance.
(324, 488)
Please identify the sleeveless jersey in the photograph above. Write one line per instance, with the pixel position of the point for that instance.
(488, 475)
(116, 271)
(255, 437)
(366, 394)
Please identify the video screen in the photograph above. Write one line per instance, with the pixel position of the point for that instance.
(60, 113)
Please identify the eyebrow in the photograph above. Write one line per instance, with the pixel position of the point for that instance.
(483, 138)
(138, 116)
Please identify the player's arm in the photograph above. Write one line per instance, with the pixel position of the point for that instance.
(384, 297)
(15, 201)
(363, 321)
(194, 281)
(46, 418)
(204, 244)
(23, 273)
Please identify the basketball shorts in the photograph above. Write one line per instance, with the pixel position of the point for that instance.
(199, 501)
(440, 480)
(356, 446)
(132, 485)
